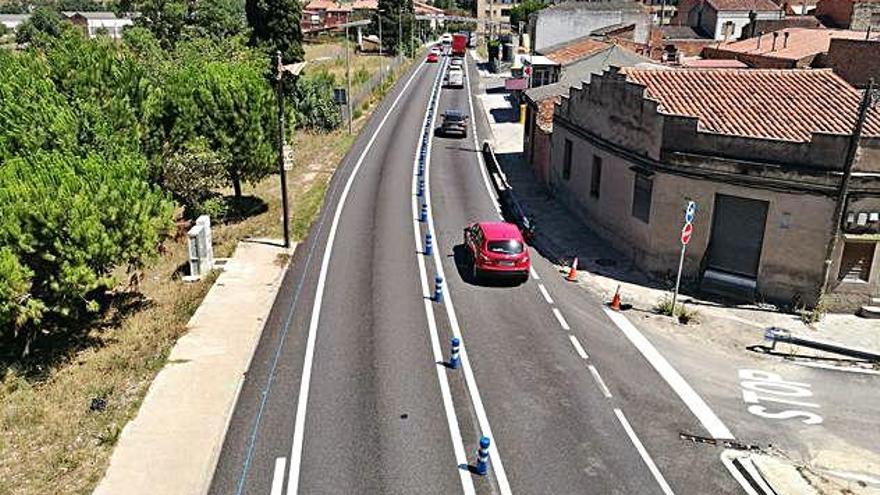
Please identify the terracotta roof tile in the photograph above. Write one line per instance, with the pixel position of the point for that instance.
(320, 5)
(365, 4)
(786, 105)
(744, 5)
(567, 53)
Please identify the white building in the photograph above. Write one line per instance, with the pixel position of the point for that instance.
(96, 22)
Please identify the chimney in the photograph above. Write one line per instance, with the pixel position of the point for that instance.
(775, 35)
(785, 39)
(760, 35)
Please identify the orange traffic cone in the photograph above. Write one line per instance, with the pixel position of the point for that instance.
(615, 301)
(573, 271)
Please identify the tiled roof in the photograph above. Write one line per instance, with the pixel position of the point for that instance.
(786, 105)
(320, 5)
(709, 63)
(744, 5)
(423, 8)
(572, 51)
(802, 43)
(365, 4)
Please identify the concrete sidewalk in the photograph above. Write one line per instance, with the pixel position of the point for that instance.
(171, 447)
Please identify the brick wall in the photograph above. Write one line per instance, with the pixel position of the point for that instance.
(854, 60)
(837, 12)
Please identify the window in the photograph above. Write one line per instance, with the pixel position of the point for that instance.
(643, 187)
(727, 29)
(856, 261)
(505, 12)
(566, 161)
(596, 176)
(505, 247)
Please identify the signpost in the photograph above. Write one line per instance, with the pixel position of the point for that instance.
(686, 233)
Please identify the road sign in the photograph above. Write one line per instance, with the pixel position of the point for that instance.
(690, 211)
(686, 232)
(340, 96)
(288, 157)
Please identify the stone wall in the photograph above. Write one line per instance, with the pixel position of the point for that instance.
(854, 60)
(553, 26)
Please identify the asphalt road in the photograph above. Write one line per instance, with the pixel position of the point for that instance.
(347, 391)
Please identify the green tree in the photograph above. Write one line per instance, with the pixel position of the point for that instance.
(218, 19)
(397, 18)
(521, 12)
(166, 19)
(44, 22)
(275, 26)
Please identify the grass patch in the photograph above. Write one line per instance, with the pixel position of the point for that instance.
(684, 315)
(51, 441)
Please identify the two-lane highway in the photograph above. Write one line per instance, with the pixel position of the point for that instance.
(348, 393)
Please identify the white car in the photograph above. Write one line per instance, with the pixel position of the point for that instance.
(455, 78)
(446, 39)
(456, 63)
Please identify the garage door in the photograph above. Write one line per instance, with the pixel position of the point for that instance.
(737, 235)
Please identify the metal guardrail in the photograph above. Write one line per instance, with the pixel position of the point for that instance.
(776, 334)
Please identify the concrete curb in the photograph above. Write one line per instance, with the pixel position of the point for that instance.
(173, 444)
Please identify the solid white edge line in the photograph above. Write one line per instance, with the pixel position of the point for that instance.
(305, 377)
(545, 294)
(482, 419)
(477, 146)
(278, 476)
(578, 347)
(713, 424)
(727, 459)
(561, 319)
(599, 381)
(658, 476)
(467, 482)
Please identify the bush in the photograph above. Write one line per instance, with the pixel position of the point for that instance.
(684, 315)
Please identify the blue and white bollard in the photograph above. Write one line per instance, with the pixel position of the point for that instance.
(423, 216)
(429, 244)
(454, 359)
(422, 168)
(483, 456)
(421, 190)
(438, 289)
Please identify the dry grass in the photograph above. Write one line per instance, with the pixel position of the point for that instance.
(50, 442)
(331, 57)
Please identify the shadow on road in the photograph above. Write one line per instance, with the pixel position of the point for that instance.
(465, 267)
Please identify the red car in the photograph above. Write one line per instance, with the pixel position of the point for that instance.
(432, 58)
(497, 248)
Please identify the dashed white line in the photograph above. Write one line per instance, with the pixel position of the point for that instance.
(599, 381)
(278, 476)
(306, 376)
(534, 273)
(577, 347)
(692, 400)
(561, 319)
(545, 294)
(451, 418)
(644, 453)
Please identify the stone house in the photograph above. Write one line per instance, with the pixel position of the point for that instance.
(571, 20)
(761, 152)
(95, 23)
(724, 19)
(858, 15)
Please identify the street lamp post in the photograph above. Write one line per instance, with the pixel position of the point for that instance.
(870, 99)
(295, 70)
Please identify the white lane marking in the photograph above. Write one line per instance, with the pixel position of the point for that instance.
(577, 347)
(451, 419)
(471, 382)
(477, 147)
(600, 382)
(561, 319)
(545, 294)
(306, 376)
(278, 476)
(642, 452)
(727, 459)
(534, 273)
(692, 400)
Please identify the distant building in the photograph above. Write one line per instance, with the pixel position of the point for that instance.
(856, 60)
(760, 152)
(12, 21)
(724, 19)
(572, 20)
(761, 26)
(858, 15)
(95, 23)
(497, 11)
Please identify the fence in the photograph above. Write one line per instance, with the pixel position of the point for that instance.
(365, 91)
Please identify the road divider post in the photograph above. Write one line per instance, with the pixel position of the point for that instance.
(421, 191)
(429, 244)
(454, 359)
(483, 456)
(423, 216)
(438, 289)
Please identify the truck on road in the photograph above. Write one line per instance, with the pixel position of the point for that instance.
(459, 44)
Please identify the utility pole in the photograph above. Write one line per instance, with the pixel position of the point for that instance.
(279, 96)
(348, 74)
(869, 100)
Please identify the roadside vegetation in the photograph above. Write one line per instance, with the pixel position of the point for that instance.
(681, 312)
(107, 152)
